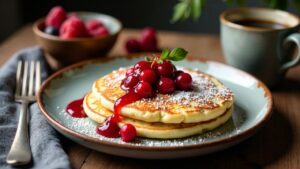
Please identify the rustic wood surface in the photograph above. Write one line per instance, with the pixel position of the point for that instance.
(277, 145)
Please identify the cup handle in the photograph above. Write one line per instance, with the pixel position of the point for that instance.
(295, 38)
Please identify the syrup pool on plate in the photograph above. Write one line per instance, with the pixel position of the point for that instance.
(75, 109)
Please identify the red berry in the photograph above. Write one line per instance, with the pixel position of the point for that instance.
(93, 24)
(109, 128)
(148, 75)
(130, 71)
(148, 40)
(72, 14)
(128, 132)
(56, 17)
(144, 89)
(183, 81)
(177, 72)
(73, 28)
(149, 44)
(132, 45)
(129, 82)
(142, 65)
(101, 31)
(166, 86)
(165, 69)
(149, 32)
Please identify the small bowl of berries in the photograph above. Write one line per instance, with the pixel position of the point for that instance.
(76, 36)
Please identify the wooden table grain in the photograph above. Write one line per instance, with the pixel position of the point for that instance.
(277, 145)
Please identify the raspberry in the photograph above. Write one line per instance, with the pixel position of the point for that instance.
(149, 32)
(72, 14)
(101, 31)
(166, 86)
(93, 24)
(73, 28)
(128, 132)
(144, 89)
(148, 40)
(56, 17)
(149, 44)
(132, 45)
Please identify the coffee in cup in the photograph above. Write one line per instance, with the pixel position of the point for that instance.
(260, 41)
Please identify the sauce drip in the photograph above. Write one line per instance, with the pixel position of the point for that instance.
(75, 109)
(110, 127)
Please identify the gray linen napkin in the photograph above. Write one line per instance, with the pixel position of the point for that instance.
(46, 149)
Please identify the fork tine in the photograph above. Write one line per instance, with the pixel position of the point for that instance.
(31, 77)
(38, 76)
(25, 74)
(18, 78)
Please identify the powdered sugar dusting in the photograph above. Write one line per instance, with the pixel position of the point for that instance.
(87, 127)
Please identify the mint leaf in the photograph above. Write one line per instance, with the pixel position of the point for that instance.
(177, 54)
(165, 54)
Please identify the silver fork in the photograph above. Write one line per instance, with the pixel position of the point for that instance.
(27, 86)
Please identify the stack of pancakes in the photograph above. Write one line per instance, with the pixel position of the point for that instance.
(181, 114)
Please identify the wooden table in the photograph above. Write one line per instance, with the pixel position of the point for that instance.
(277, 145)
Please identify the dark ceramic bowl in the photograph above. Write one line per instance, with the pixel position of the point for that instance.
(77, 49)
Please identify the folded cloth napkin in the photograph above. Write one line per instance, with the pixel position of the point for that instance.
(46, 149)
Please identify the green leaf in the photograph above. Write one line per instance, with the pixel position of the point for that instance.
(187, 12)
(188, 8)
(179, 11)
(148, 58)
(196, 9)
(165, 54)
(177, 54)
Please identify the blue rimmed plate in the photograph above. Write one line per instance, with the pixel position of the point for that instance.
(253, 106)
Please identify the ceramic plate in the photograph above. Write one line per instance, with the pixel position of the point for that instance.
(252, 108)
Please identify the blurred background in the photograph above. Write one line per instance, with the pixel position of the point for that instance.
(133, 13)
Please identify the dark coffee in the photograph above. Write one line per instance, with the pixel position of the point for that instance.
(261, 24)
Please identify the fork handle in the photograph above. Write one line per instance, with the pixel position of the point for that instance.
(20, 152)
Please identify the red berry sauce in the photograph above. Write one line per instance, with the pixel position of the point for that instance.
(75, 109)
(110, 127)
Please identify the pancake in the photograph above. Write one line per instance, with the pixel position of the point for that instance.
(207, 100)
(95, 111)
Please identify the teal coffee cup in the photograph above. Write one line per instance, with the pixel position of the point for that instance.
(260, 41)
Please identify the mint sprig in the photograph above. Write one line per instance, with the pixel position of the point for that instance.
(176, 54)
